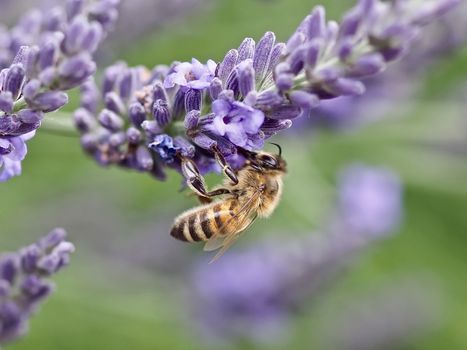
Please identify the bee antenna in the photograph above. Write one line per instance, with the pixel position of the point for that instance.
(278, 147)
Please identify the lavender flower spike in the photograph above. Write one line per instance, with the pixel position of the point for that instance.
(42, 60)
(328, 60)
(24, 281)
(252, 94)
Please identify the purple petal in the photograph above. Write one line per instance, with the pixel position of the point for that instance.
(6, 101)
(192, 119)
(263, 55)
(144, 158)
(367, 65)
(110, 120)
(114, 103)
(161, 113)
(316, 24)
(49, 101)
(246, 77)
(253, 122)
(246, 50)
(215, 88)
(269, 99)
(204, 141)
(192, 100)
(137, 114)
(284, 112)
(350, 23)
(84, 120)
(346, 87)
(227, 65)
(304, 99)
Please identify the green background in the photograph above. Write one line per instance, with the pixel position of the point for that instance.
(128, 280)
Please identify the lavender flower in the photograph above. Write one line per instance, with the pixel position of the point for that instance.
(370, 200)
(387, 319)
(24, 281)
(396, 85)
(277, 279)
(208, 112)
(192, 75)
(12, 152)
(236, 121)
(58, 58)
(330, 60)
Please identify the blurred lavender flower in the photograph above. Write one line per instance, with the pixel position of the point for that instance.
(388, 319)
(440, 39)
(58, 58)
(370, 200)
(251, 95)
(24, 282)
(252, 294)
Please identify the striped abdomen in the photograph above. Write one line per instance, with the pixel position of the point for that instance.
(199, 224)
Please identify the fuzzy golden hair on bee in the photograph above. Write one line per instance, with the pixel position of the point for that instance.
(253, 191)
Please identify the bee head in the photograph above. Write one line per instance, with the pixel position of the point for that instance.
(264, 161)
(269, 161)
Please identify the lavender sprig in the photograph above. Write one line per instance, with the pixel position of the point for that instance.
(57, 58)
(24, 281)
(154, 119)
(438, 40)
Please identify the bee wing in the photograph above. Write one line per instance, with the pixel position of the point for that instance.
(243, 218)
(218, 240)
(230, 240)
(214, 243)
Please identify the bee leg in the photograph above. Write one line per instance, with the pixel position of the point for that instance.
(226, 168)
(211, 194)
(196, 182)
(193, 177)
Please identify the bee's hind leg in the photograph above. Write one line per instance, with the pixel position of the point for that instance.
(196, 183)
(226, 168)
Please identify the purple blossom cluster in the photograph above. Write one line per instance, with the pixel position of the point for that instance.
(43, 56)
(24, 281)
(252, 294)
(158, 118)
(397, 85)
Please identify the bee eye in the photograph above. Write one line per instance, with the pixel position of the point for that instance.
(269, 161)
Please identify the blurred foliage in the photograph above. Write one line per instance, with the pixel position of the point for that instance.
(106, 301)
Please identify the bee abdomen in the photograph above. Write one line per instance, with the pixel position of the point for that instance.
(201, 224)
(192, 227)
(177, 230)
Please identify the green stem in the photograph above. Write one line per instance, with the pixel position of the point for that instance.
(59, 124)
(19, 105)
(175, 128)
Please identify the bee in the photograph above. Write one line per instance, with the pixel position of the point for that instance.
(254, 191)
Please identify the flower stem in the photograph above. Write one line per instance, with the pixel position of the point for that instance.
(59, 124)
(19, 105)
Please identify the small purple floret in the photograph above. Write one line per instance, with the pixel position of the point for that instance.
(194, 75)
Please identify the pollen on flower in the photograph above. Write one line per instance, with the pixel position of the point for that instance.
(256, 91)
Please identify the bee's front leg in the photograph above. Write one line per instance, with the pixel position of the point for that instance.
(226, 168)
(196, 182)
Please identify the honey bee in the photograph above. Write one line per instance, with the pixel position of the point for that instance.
(254, 191)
